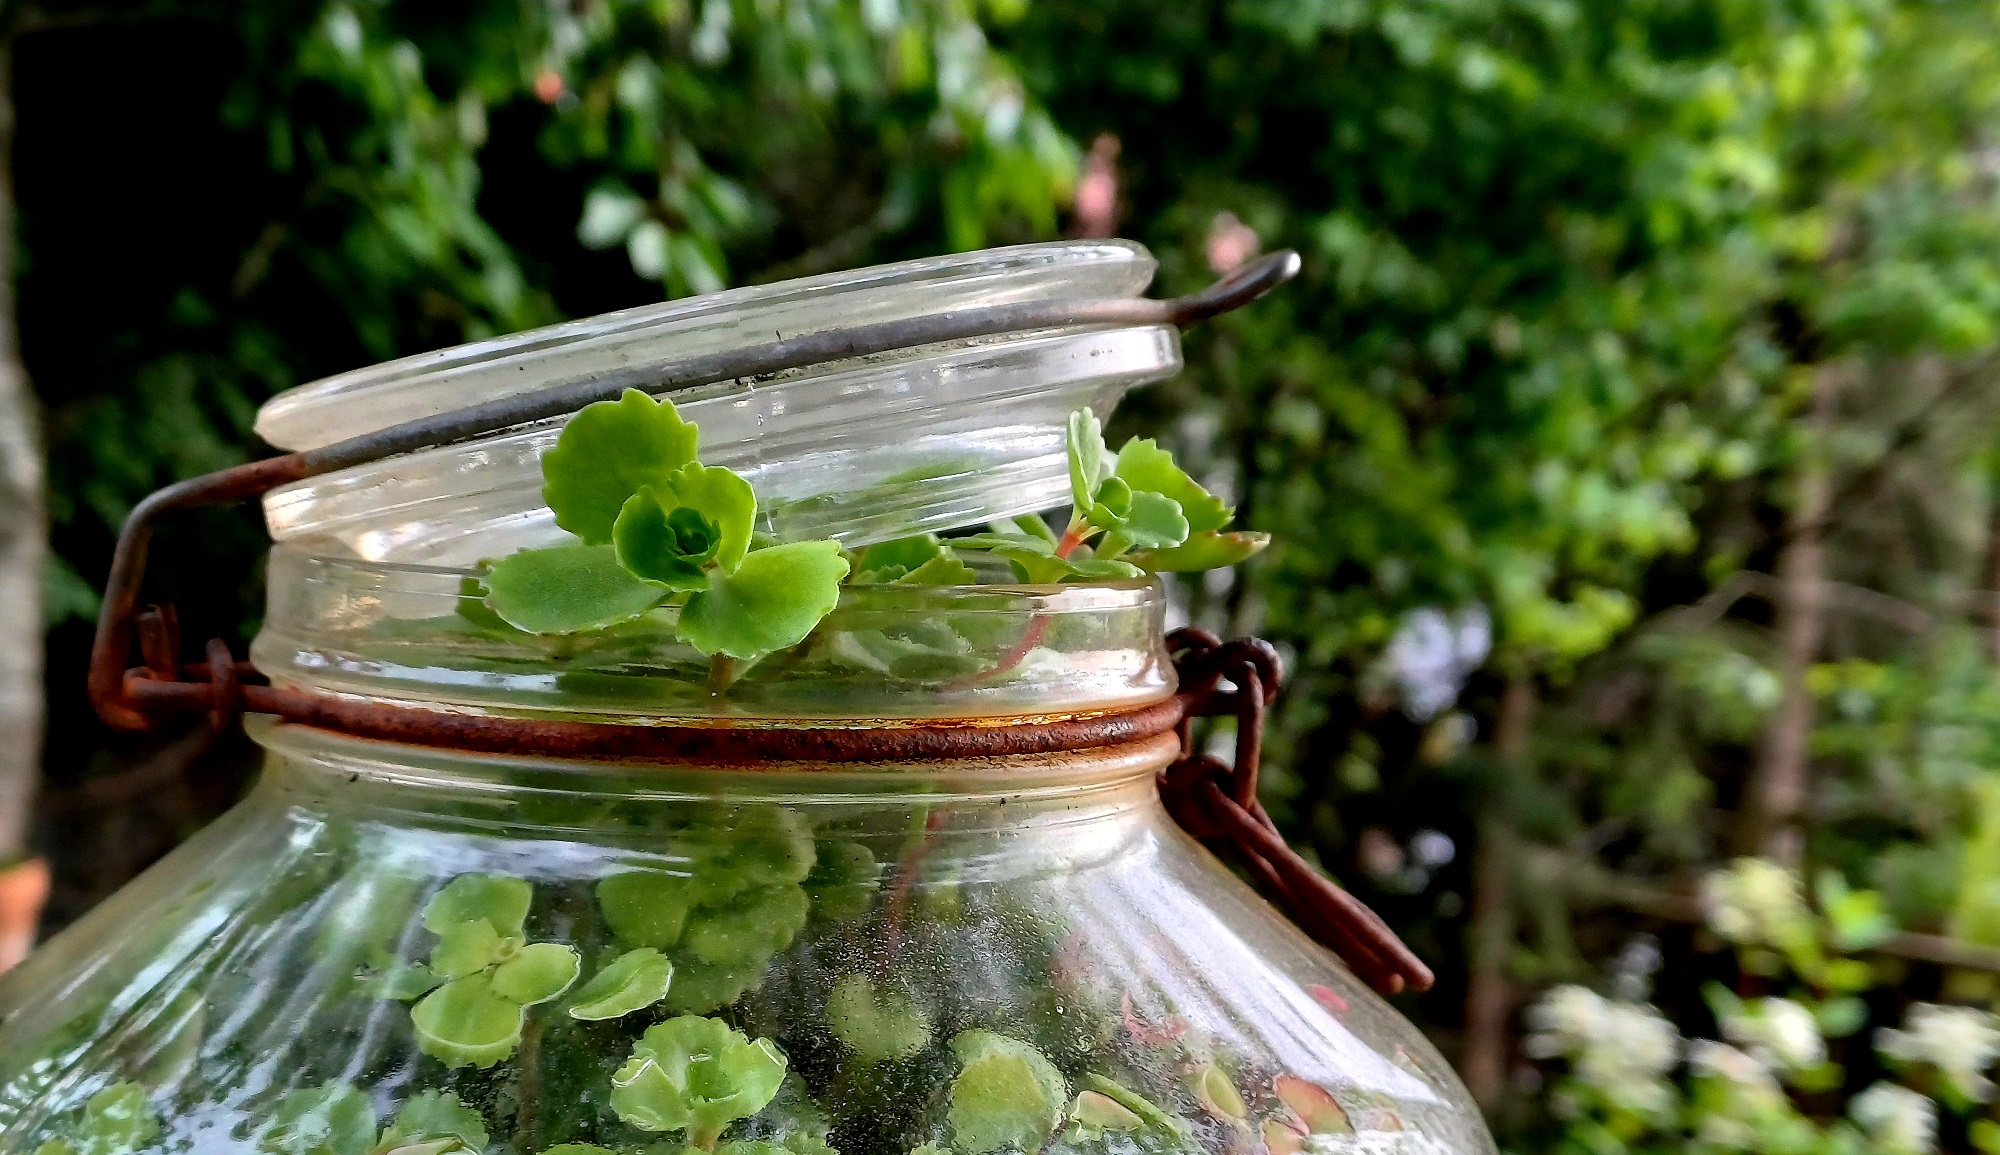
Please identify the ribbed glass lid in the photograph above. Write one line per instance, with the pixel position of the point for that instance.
(365, 400)
(924, 439)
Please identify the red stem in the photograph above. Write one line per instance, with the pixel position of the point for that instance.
(903, 882)
(1072, 538)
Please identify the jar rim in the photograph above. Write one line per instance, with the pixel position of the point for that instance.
(415, 634)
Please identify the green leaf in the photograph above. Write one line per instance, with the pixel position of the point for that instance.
(1101, 570)
(1217, 1095)
(1089, 460)
(1035, 563)
(631, 982)
(1109, 505)
(773, 600)
(754, 926)
(843, 880)
(537, 973)
(466, 947)
(876, 1026)
(465, 1024)
(996, 542)
(434, 1115)
(1841, 1016)
(567, 589)
(669, 532)
(1152, 522)
(1202, 551)
(645, 907)
(1154, 1115)
(1007, 1094)
(1149, 469)
(1095, 1112)
(118, 1120)
(944, 570)
(499, 900)
(695, 1073)
(333, 1119)
(473, 608)
(403, 982)
(664, 542)
(889, 561)
(607, 453)
(1029, 525)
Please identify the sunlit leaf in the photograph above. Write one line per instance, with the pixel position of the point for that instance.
(567, 589)
(1095, 1111)
(1147, 468)
(631, 982)
(606, 453)
(1007, 1094)
(876, 1025)
(334, 1119)
(695, 1073)
(537, 973)
(1089, 459)
(465, 1024)
(499, 900)
(466, 947)
(432, 1115)
(645, 907)
(1203, 551)
(773, 600)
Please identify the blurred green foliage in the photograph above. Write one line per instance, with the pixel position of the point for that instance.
(1595, 293)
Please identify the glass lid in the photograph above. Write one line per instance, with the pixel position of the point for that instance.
(862, 451)
(365, 400)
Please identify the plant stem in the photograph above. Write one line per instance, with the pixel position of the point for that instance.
(1072, 538)
(721, 674)
(904, 882)
(527, 1120)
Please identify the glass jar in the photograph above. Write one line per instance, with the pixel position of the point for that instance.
(1018, 953)
(908, 887)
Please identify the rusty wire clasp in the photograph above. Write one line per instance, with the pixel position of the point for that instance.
(1216, 801)
(131, 699)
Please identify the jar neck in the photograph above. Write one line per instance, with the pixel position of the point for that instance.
(318, 770)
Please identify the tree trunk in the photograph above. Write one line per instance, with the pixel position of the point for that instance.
(1776, 792)
(23, 556)
(1489, 994)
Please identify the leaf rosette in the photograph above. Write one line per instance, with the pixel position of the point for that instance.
(696, 1074)
(489, 973)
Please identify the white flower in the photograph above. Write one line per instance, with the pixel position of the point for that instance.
(1432, 653)
(1755, 901)
(1621, 1050)
(1959, 1041)
(1898, 1120)
(1740, 1069)
(1750, 1099)
(1777, 1031)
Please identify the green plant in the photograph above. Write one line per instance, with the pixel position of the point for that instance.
(659, 529)
(489, 974)
(656, 525)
